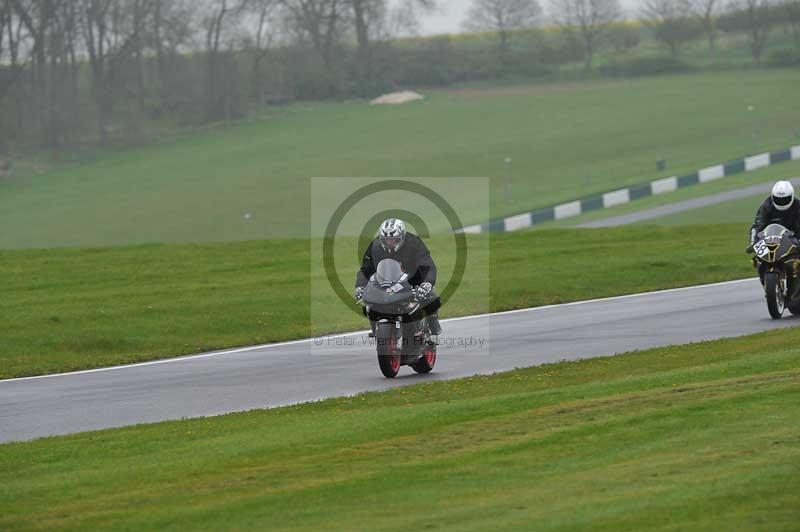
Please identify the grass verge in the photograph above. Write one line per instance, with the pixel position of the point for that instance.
(565, 141)
(76, 309)
(698, 437)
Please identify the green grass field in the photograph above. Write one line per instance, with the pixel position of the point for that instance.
(565, 140)
(701, 437)
(76, 309)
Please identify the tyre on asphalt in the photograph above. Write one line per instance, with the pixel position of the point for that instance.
(428, 360)
(775, 295)
(389, 351)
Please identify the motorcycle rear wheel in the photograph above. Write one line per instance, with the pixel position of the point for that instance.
(776, 299)
(428, 360)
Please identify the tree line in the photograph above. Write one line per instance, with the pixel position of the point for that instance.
(122, 62)
(673, 22)
(78, 72)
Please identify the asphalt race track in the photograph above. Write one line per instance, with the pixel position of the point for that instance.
(280, 374)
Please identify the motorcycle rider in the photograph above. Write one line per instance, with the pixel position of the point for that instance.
(779, 208)
(394, 242)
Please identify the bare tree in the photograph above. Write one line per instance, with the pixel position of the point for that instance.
(366, 14)
(10, 75)
(672, 22)
(220, 16)
(5, 12)
(707, 11)
(404, 16)
(322, 22)
(263, 10)
(502, 17)
(112, 32)
(172, 28)
(70, 20)
(371, 21)
(39, 17)
(755, 18)
(792, 12)
(5, 74)
(62, 74)
(589, 19)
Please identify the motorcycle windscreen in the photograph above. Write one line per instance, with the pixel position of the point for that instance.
(389, 272)
(775, 230)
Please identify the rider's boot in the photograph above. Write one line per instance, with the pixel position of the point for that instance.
(433, 324)
(795, 295)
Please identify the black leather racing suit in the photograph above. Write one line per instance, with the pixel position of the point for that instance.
(768, 214)
(790, 219)
(415, 259)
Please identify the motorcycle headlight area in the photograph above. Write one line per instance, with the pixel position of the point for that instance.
(761, 248)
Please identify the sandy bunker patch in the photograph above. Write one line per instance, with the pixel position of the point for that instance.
(396, 98)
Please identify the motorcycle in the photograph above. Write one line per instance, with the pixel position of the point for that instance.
(399, 327)
(777, 258)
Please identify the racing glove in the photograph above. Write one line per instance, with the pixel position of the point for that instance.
(753, 234)
(424, 290)
(359, 295)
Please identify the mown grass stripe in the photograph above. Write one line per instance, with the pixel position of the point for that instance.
(68, 310)
(614, 444)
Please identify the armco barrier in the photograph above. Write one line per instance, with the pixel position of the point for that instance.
(634, 192)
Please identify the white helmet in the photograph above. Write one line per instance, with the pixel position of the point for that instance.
(782, 195)
(392, 235)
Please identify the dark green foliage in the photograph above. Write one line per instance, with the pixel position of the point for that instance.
(624, 37)
(784, 58)
(645, 66)
(674, 33)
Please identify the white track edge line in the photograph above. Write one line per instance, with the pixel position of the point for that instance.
(356, 333)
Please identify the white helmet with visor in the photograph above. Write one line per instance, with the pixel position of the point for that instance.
(782, 195)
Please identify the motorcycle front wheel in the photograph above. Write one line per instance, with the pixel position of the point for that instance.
(776, 298)
(389, 350)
